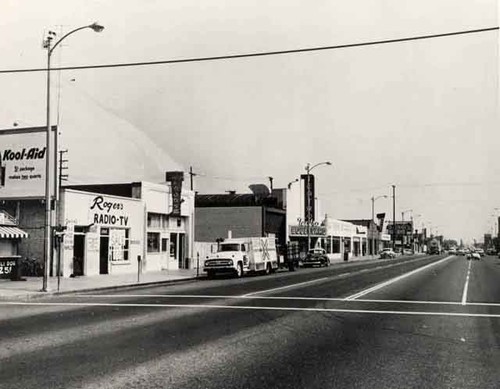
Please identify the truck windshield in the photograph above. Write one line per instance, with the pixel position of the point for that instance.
(230, 247)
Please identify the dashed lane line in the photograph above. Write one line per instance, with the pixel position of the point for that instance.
(260, 308)
(287, 286)
(466, 285)
(393, 280)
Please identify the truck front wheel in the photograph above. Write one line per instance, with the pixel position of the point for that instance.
(239, 270)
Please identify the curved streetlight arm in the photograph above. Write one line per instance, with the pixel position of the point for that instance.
(309, 168)
(94, 26)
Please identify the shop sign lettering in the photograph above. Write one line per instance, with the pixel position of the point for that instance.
(100, 218)
(313, 230)
(107, 215)
(7, 266)
(107, 206)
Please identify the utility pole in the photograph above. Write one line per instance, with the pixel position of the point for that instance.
(394, 217)
(191, 175)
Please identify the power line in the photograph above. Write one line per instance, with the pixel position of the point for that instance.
(250, 55)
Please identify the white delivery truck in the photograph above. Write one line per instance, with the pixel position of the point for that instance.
(243, 255)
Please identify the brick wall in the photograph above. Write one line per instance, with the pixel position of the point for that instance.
(214, 222)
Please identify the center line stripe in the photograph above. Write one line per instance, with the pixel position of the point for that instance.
(391, 281)
(466, 286)
(286, 287)
(260, 308)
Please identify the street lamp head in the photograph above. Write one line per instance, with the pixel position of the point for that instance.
(328, 163)
(96, 27)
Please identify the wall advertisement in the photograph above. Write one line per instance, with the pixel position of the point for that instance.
(22, 163)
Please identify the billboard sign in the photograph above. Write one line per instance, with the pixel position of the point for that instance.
(23, 153)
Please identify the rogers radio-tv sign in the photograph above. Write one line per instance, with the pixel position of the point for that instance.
(22, 163)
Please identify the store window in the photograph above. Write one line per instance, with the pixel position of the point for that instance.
(154, 220)
(118, 243)
(153, 242)
(335, 245)
(328, 244)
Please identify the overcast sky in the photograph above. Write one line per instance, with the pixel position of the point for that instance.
(422, 115)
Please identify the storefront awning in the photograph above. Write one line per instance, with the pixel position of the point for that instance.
(12, 232)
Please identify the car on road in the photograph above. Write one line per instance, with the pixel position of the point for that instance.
(316, 257)
(460, 252)
(452, 252)
(480, 252)
(387, 254)
(473, 255)
(491, 251)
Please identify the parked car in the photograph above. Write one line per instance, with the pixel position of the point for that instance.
(387, 254)
(491, 251)
(316, 257)
(480, 252)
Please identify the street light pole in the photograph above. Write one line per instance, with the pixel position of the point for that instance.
(394, 217)
(48, 201)
(308, 200)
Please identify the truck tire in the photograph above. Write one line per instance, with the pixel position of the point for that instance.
(239, 270)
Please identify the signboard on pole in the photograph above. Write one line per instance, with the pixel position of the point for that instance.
(175, 179)
(23, 153)
(309, 196)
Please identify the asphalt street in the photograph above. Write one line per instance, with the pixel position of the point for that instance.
(415, 322)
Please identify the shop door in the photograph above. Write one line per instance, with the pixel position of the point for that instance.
(104, 255)
(181, 252)
(78, 254)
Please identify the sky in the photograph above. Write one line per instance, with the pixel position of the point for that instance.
(422, 115)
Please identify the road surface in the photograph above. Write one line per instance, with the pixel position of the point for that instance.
(420, 322)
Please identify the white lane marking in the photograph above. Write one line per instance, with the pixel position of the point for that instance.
(466, 285)
(286, 287)
(392, 280)
(254, 297)
(257, 308)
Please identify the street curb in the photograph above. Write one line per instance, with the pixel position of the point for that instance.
(29, 296)
(39, 295)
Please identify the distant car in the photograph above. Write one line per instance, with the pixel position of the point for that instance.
(491, 251)
(387, 254)
(474, 255)
(480, 252)
(452, 252)
(461, 252)
(316, 257)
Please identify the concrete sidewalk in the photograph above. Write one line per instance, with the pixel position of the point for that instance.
(31, 288)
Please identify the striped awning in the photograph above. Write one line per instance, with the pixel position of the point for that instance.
(12, 232)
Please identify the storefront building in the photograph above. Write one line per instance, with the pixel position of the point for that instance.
(103, 235)
(344, 238)
(164, 239)
(302, 233)
(10, 236)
